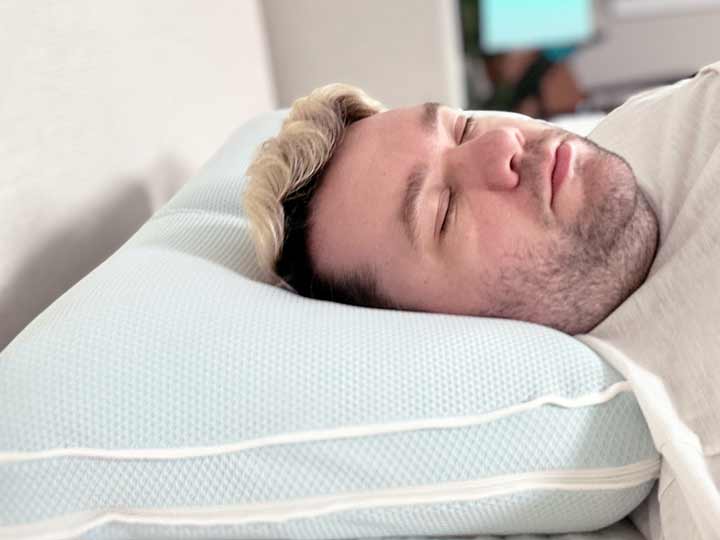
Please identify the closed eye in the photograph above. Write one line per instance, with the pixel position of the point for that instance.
(468, 126)
(447, 213)
(466, 129)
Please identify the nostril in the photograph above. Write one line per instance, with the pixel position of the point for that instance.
(515, 167)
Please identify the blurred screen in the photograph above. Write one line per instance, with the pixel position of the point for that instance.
(533, 24)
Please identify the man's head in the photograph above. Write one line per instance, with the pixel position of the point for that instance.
(418, 209)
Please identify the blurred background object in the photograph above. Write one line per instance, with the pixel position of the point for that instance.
(522, 46)
(570, 55)
(547, 58)
(107, 108)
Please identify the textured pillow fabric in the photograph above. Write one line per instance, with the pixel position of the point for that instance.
(171, 394)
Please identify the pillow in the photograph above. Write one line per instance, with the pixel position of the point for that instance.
(173, 394)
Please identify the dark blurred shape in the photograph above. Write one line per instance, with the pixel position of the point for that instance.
(537, 82)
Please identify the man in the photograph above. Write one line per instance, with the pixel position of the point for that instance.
(427, 208)
(516, 218)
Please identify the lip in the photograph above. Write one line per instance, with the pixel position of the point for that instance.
(561, 167)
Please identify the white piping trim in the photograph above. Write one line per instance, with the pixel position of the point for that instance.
(345, 432)
(73, 525)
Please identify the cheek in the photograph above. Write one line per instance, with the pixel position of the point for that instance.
(498, 233)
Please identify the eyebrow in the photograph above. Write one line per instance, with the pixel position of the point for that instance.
(415, 181)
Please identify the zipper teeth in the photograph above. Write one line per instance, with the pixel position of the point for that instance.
(73, 525)
(629, 474)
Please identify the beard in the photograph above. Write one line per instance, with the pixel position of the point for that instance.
(592, 264)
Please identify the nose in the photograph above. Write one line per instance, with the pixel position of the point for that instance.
(488, 161)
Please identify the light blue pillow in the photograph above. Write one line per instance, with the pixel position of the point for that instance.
(170, 394)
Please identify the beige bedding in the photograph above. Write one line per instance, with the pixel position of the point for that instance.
(665, 338)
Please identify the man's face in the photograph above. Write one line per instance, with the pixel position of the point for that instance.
(494, 235)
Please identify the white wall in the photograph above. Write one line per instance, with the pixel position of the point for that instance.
(106, 108)
(401, 52)
(647, 46)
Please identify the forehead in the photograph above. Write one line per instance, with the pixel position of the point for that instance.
(355, 213)
(372, 131)
(355, 206)
(383, 135)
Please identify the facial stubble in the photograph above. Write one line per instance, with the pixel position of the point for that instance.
(593, 263)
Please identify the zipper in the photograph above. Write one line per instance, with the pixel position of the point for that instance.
(73, 525)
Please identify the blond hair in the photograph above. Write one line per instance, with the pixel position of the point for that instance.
(282, 178)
